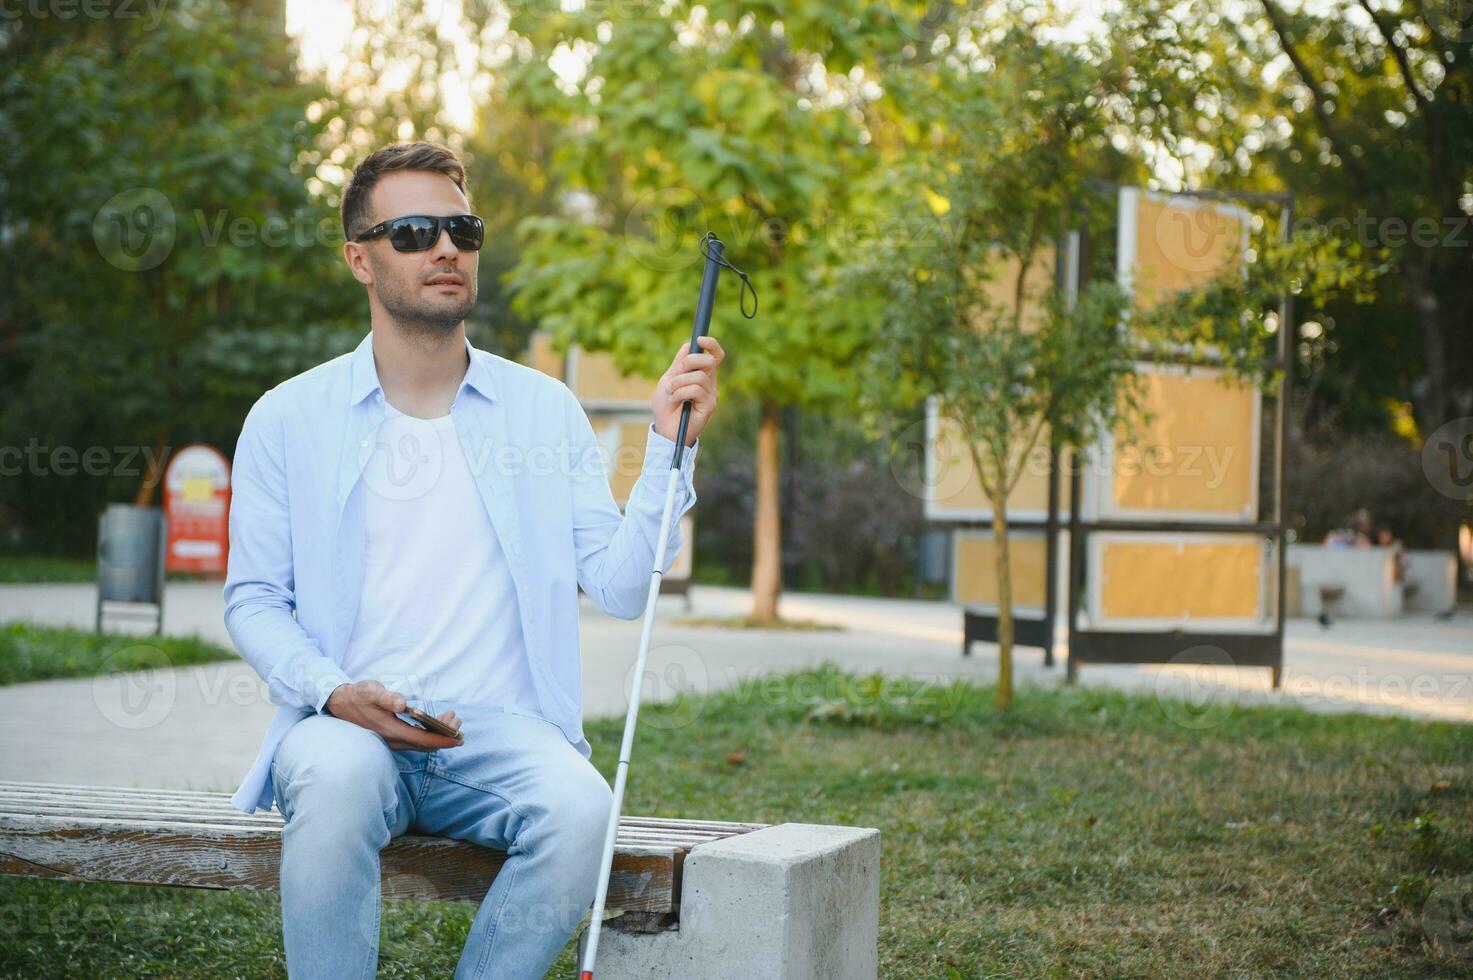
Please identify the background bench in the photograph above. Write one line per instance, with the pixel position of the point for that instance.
(739, 899)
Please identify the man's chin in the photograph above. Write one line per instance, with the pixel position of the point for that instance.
(434, 318)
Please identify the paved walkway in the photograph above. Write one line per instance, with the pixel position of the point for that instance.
(199, 727)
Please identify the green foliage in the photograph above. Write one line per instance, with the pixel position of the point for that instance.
(1363, 111)
(745, 121)
(165, 260)
(999, 168)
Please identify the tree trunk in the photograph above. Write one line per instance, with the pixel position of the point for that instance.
(767, 569)
(1004, 604)
(154, 474)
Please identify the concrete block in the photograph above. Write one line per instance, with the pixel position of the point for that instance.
(1365, 576)
(1435, 575)
(790, 902)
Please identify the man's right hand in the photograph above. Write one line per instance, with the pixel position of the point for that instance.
(369, 704)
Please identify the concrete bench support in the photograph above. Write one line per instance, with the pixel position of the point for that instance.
(794, 900)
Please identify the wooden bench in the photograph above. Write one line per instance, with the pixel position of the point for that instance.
(198, 840)
(706, 898)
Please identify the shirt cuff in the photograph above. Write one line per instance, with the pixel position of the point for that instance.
(325, 683)
(659, 452)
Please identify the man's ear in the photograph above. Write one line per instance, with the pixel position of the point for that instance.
(357, 258)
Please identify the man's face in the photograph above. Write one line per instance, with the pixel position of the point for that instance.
(428, 292)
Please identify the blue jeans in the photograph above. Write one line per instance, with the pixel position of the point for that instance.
(516, 784)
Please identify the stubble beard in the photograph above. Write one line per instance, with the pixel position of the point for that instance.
(430, 319)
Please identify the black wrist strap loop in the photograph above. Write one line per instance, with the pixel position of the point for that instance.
(746, 283)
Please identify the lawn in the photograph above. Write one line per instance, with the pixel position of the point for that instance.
(45, 568)
(19, 569)
(36, 653)
(1081, 834)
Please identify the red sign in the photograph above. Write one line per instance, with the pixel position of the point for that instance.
(197, 504)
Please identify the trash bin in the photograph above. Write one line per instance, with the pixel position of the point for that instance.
(130, 559)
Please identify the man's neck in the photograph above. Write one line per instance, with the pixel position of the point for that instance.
(420, 376)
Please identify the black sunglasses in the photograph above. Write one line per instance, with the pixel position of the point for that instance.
(418, 232)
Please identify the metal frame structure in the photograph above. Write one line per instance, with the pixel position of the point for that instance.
(1140, 646)
(1183, 646)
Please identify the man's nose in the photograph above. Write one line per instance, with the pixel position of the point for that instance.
(444, 247)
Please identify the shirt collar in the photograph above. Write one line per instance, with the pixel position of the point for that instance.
(365, 373)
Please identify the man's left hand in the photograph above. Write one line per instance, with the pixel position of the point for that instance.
(690, 377)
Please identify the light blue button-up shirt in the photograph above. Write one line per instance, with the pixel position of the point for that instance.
(298, 529)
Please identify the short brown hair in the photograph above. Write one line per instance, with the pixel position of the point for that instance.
(419, 155)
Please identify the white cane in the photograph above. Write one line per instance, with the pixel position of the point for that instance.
(712, 249)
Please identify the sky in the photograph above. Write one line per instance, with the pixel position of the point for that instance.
(322, 29)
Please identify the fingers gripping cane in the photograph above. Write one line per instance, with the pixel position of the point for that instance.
(712, 249)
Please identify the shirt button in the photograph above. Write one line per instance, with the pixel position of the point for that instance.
(364, 444)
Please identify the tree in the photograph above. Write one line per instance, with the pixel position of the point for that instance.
(164, 255)
(1362, 108)
(509, 174)
(1011, 134)
(748, 121)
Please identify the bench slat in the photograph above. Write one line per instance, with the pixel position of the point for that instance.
(164, 816)
(215, 801)
(673, 837)
(119, 792)
(195, 812)
(412, 866)
(195, 838)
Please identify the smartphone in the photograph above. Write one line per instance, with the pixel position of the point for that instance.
(429, 722)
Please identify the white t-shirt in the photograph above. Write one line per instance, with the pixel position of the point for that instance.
(438, 618)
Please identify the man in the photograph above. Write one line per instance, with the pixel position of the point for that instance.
(409, 525)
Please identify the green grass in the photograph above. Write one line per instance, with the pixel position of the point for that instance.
(1081, 834)
(35, 653)
(41, 568)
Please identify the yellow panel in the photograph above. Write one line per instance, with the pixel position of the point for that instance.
(975, 571)
(632, 438)
(596, 377)
(1002, 284)
(1181, 244)
(540, 355)
(625, 446)
(958, 488)
(1196, 451)
(680, 571)
(1176, 579)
